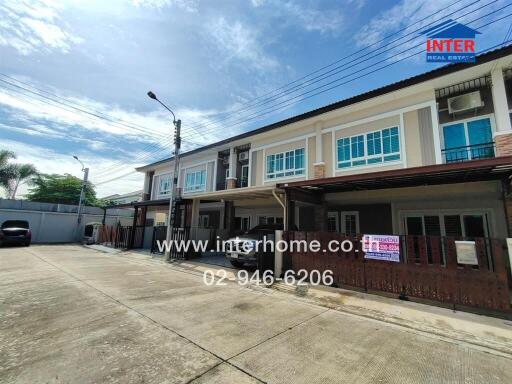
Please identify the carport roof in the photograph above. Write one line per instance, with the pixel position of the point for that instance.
(476, 170)
(249, 193)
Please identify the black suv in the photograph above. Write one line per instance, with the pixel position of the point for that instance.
(15, 232)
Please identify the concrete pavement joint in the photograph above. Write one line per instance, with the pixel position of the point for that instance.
(222, 360)
(431, 333)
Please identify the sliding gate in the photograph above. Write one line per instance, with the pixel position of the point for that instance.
(428, 269)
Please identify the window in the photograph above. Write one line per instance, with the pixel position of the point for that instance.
(290, 163)
(332, 222)
(244, 181)
(204, 221)
(243, 223)
(162, 185)
(269, 220)
(349, 224)
(457, 225)
(372, 148)
(465, 140)
(195, 181)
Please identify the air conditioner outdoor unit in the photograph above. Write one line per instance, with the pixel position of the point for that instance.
(243, 156)
(465, 102)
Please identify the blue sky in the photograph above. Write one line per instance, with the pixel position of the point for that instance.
(208, 60)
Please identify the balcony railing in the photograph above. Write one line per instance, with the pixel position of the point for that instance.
(240, 183)
(469, 152)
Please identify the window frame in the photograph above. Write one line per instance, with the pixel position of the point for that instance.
(465, 122)
(487, 214)
(155, 191)
(366, 157)
(287, 173)
(343, 223)
(194, 188)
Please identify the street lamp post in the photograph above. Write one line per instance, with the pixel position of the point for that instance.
(177, 145)
(81, 202)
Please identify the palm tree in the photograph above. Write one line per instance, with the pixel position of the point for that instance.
(23, 173)
(7, 171)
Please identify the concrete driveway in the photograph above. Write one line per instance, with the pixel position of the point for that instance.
(74, 315)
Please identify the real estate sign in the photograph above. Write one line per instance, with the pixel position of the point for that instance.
(382, 247)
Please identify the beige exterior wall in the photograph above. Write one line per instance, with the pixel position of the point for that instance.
(478, 197)
(412, 139)
(398, 108)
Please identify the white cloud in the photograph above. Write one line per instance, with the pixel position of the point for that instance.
(187, 5)
(419, 13)
(308, 18)
(238, 42)
(48, 161)
(34, 26)
(323, 21)
(153, 124)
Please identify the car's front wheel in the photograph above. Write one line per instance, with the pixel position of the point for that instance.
(27, 244)
(236, 263)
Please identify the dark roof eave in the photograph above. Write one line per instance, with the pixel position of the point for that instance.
(414, 80)
(442, 170)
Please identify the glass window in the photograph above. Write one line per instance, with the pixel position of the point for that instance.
(373, 143)
(468, 140)
(381, 146)
(195, 181)
(343, 153)
(289, 163)
(357, 147)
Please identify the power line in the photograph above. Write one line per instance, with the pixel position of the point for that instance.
(298, 98)
(77, 107)
(336, 70)
(389, 64)
(249, 103)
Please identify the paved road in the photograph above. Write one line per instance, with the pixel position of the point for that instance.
(75, 315)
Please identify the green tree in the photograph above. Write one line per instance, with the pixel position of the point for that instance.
(61, 189)
(24, 173)
(7, 170)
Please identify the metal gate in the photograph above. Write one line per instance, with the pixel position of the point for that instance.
(115, 236)
(428, 269)
(179, 236)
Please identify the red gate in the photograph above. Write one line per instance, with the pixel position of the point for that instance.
(428, 269)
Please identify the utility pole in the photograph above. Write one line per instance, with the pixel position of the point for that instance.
(171, 217)
(81, 202)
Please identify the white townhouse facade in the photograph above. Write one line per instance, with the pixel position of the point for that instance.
(428, 155)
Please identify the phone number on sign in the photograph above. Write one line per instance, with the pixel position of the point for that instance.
(243, 277)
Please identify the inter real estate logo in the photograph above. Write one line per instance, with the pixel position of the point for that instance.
(450, 42)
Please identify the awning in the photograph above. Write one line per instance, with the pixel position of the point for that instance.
(499, 168)
(248, 193)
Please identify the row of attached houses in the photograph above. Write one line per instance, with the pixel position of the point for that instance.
(427, 155)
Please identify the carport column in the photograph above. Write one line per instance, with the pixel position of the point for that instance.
(319, 165)
(503, 135)
(321, 216)
(194, 220)
(289, 212)
(132, 229)
(229, 216)
(231, 179)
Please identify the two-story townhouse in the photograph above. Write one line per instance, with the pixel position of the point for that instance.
(428, 155)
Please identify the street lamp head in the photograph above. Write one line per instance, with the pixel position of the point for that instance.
(75, 157)
(152, 95)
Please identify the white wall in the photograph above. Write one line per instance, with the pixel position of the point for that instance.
(57, 227)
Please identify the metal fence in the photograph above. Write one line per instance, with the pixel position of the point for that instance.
(428, 269)
(116, 236)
